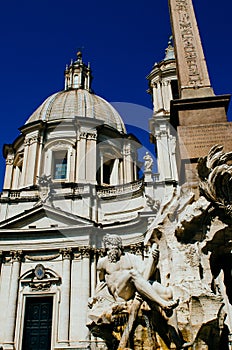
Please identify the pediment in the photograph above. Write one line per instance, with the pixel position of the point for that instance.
(44, 217)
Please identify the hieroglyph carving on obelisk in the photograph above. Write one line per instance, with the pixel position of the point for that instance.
(191, 66)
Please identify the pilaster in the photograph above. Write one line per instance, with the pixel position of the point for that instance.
(127, 164)
(81, 159)
(16, 257)
(63, 330)
(163, 156)
(80, 293)
(32, 158)
(91, 165)
(85, 290)
(9, 169)
(1, 259)
(25, 162)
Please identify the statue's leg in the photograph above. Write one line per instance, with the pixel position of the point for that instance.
(164, 292)
(125, 287)
(171, 318)
(147, 291)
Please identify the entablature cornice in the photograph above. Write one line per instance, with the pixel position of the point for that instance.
(32, 127)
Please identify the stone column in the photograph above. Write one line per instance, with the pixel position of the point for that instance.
(159, 96)
(80, 292)
(93, 271)
(128, 163)
(16, 176)
(121, 177)
(75, 301)
(91, 155)
(155, 99)
(114, 177)
(32, 159)
(135, 171)
(39, 156)
(9, 170)
(1, 258)
(81, 158)
(164, 166)
(101, 168)
(25, 162)
(93, 281)
(13, 298)
(63, 332)
(166, 95)
(84, 292)
(172, 152)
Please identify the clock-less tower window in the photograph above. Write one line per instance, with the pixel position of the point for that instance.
(59, 165)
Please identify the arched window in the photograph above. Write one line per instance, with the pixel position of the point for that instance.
(75, 81)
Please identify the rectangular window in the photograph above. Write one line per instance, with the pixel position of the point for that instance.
(60, 165)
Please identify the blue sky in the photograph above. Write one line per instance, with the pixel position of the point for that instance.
(122, 39)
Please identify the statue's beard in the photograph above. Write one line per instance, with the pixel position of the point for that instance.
(113, 255)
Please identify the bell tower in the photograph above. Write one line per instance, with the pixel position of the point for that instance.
(163, 87)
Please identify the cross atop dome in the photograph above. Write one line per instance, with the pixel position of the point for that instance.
(78, 74)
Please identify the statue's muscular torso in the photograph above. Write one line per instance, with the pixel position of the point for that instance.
(118, 274)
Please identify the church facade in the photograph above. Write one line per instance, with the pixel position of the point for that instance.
(72, 176)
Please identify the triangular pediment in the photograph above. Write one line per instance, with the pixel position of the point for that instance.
(44, 217)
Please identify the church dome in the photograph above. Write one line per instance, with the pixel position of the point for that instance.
(73, 103)
(77, 100)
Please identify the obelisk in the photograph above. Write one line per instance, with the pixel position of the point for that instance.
(191, 65)
(198, 115)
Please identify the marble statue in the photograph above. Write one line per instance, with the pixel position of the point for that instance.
(123, 274)
(148, 162)
(125, 282)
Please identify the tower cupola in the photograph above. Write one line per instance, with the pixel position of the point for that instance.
(162, 80)
(163, 87)
(78, 74)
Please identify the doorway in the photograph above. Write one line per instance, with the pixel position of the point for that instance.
(37, 323)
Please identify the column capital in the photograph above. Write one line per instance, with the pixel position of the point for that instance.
(26, 141)
(66, 253)
(9, 161)
(16, 255)
(137, 249)
(83, 135)
(85, 252)
(77, 256)
(10, 155)
(161, 133)
(92, 136)
(35, 139)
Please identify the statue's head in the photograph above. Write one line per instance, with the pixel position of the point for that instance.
(113, 246)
